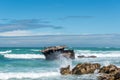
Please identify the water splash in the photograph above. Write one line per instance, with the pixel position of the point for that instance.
(106, 63)
(64, 62)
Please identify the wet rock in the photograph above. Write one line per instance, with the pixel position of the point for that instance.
(92, 56)
(55, 52)
(117, 75)
(68, 54)
(85, 68)
(106, 77)
(82, 56)
(110, 69)
(65, 71)
(80, 69)
(110, 72)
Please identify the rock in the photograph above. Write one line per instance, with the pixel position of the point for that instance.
(82, 56)
(106, 77)
(117, 75)
(68, 54)
(110, 69)
(110, 72)
(80, 69)
(65, 71)
(92, 56)
(85, 68)
(55, 52)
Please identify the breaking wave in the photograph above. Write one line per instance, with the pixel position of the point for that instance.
(29, 75)
(3, 52)
(24, 56)
(97, 53)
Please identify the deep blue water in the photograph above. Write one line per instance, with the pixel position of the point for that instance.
(30, 64)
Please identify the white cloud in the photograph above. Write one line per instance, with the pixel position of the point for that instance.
(26, 33)
(16, 33)
(25, 24)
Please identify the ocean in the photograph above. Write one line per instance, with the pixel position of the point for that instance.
(30, 64)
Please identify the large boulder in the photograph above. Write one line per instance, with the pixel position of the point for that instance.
(110, 69)
(80, 69)
(85, 68)
(110, 72)
(55, 52)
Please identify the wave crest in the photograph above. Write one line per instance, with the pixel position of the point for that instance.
(31, 75)
(97, 53)
(3, 52)
(24, 56)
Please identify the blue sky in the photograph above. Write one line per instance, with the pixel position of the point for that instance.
(58, 17)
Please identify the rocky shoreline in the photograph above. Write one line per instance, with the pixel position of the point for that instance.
(110, 72)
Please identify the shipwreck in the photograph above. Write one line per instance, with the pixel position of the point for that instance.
(56, 52)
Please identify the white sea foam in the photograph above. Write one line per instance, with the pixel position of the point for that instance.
(24, 56)
(33, 75)
(3, 52)
(97, 53)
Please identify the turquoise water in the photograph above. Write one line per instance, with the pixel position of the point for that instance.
(30, 64)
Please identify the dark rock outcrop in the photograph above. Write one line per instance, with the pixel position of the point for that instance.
(85, 68)
(106, 77)
(115, 76)
(55, 52)
(82, 56)
(110, 72)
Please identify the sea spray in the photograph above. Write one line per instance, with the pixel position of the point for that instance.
(64, 62)
(106, 63)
